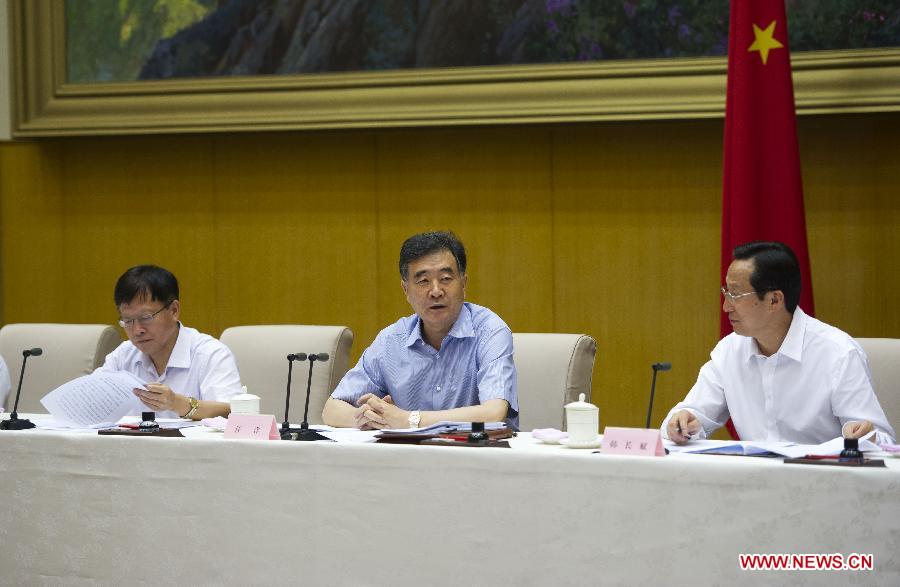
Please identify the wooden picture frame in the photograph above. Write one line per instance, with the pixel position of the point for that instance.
(44, 104)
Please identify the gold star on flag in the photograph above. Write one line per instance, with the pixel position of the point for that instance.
(765, 41)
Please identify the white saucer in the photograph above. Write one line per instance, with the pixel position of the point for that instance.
(550, 440)
(589, 444)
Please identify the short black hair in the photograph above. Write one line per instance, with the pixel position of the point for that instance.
(426, 243)
(148, 281)
(775, 267)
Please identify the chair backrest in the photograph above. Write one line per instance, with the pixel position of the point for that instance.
(69, 351)
(552, 369)
(884, 363)
(261, 353)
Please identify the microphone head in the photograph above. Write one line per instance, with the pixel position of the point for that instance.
(662, 366)
(297, 357)
(35, 352)
(319, 357)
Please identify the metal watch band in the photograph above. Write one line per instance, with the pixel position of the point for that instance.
(195, 403)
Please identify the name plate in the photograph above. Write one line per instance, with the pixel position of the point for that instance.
(632, 441)
(252, 426)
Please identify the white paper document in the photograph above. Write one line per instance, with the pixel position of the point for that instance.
(348, 435)
(731, 447)
(753, 448)
(447, 427)
(96, 400)
(836, 445)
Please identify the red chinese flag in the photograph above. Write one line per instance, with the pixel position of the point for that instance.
(762, 193)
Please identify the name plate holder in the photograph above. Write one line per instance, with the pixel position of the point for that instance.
(252, 426)
(632, 441)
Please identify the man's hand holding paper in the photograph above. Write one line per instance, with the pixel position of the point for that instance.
(160, 397)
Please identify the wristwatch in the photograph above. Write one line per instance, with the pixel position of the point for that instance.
(195, 403)
(414, 418)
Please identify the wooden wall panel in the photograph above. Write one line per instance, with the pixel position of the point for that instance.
(296, 231)
(607, 229)
(31, 212)
(852, 197)
(492, 188)
(636, 249)
(133, 201)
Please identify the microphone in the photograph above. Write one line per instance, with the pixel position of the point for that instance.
(14, 423)
(305, 433)
(656, 368)
(286, 425)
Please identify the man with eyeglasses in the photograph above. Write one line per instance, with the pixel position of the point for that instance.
(781, 375)
(188, 374)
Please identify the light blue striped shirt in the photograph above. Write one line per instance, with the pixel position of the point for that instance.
(475, 364)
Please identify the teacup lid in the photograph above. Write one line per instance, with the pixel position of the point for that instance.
(244, 397)
(581, 404)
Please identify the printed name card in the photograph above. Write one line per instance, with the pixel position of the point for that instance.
(252, 426)
(632, 441)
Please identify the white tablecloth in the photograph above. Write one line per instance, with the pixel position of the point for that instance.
(83, 509)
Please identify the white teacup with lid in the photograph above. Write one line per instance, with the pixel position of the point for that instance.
(245, 403)
(582, 421)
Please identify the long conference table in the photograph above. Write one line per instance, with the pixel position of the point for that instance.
(84, 509)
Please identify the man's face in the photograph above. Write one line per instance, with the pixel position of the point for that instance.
(435, 290)
(748, 315)
(153, 335)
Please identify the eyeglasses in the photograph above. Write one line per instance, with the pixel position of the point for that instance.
(734, 297)
(142, 320)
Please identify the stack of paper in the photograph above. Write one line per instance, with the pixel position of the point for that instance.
(94, 401)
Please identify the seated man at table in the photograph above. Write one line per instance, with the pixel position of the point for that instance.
(451, 360)
(781, 375)
(188, 374)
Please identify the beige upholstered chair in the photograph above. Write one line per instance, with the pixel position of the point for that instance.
(552, 370)
(261, 353)
(69, 351)
(884, 363)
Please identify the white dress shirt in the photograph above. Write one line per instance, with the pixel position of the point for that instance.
(200, 366)
(4, 384)
(805, 392)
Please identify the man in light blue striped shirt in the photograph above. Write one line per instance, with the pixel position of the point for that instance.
(451, 360)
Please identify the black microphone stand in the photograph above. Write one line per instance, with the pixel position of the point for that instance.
(305, 433)
(14, 422)
(286, 429)
(656, 367)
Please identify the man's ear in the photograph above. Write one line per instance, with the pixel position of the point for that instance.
(405, 286)
(176, 309)
(465, 281)
(777, 299)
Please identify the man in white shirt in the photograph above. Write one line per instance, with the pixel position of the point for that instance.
(781, 375)
(188, 374)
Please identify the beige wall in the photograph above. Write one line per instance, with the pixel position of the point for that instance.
(606, 229)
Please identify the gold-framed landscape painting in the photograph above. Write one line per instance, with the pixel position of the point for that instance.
(86, 67)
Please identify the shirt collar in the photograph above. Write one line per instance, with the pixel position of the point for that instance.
(462, 328)
(792, 345)
(181, 352)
